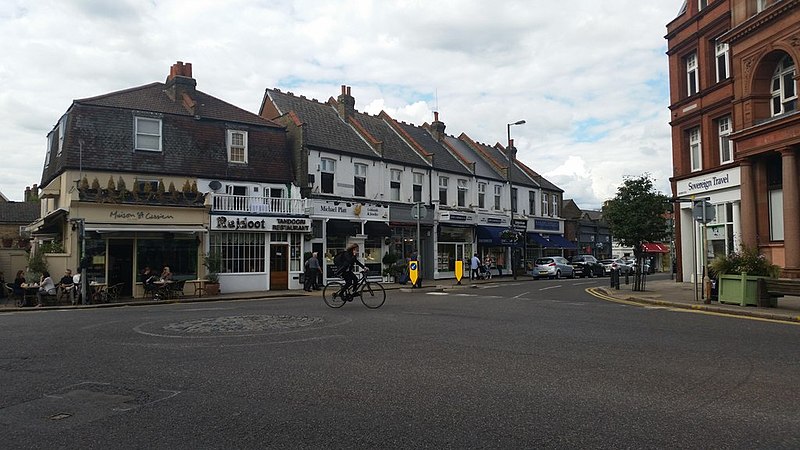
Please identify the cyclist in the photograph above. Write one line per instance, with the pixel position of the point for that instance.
(345, 264)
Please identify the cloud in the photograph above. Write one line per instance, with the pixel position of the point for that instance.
(589, 80)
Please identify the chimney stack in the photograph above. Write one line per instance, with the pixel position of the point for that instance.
(346, 104)
(180, 82)
(437, 128)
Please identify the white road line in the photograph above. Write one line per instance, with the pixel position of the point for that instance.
(550, 287)
(437, 293)
(520, 295)
(466, 295)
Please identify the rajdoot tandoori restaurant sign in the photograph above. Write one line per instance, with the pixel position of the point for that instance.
(277, 224)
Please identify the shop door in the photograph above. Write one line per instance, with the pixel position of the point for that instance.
(278, 267)
(120, 265)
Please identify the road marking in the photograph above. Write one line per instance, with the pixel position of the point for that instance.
(550, 287)
(466, 295)
(520, 295)
(437, 293)
(695, 309)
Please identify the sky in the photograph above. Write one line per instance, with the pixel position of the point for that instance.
(589, 78)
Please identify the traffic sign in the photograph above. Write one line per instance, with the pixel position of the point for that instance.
(703, 211)
(419, 211)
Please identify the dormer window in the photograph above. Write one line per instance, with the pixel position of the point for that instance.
(237, 146)
(148, 134)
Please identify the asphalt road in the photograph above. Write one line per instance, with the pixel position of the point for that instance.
(532, 364)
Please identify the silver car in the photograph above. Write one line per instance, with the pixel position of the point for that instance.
(611, 264)
(552, 267)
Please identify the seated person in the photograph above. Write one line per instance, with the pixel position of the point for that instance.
(46, 287)
(18, 282)
(166, 274)
(66, 286)
(148, 280)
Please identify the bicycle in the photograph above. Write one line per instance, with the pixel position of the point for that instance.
(372, 293)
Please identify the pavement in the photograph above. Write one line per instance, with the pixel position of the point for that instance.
(660, 290)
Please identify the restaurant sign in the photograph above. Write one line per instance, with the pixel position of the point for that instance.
(277, 224)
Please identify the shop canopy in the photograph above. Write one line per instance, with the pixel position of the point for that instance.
(540, 240)
(377, 229)
(560, 241)
(654, 247)
(492, 236)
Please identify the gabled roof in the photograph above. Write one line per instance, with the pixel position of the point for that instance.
(19, 212)
(499, 161)
(483, 169)
(153, 97)
(543, 182)
(443, 159)
(395, 149)
(322, 126)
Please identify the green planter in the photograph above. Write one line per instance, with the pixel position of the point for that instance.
(739, 290)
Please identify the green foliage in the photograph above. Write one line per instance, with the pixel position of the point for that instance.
(121, 185)
(95, 184)
(111, 186)
(52, 247)
(84, 183)
(37, 263)
(389, 258)
(637, 213)
(213, 264)
(748, 261)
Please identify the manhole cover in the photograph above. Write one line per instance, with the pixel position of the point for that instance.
(235, 324)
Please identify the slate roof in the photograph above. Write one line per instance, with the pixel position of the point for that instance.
(323, 128)
(442, 158)
(395, 149)
(19, 212)
(153, 97)
(482, 168)
(499, 160)
(100, 137)
(543, 182)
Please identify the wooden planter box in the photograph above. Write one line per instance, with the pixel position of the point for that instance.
(739, 290)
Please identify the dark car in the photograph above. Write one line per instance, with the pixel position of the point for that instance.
(586, 266)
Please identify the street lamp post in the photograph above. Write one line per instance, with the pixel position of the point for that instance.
(511, 156)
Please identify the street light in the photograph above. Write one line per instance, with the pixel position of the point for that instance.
(511, 155)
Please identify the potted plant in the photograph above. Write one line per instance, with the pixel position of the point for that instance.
(738, 274)
(213, 264)
(389, 260)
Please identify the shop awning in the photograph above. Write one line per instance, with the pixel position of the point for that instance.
(50, 224)
(101, 228)
(654, 247)
(488, 235)
(540, 240)
(560, 241)
(377, 229)
(339, 227)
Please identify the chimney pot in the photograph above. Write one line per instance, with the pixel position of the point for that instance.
(436, 116)
(348, 90)
(344, 90)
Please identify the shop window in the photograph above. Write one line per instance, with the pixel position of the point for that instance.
(179, 253)
(371, 256)
(241, 252)
(335, 244)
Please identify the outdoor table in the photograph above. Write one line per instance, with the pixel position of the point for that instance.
(199, 286)
(29, 291)
(97, 291)
(164, 288)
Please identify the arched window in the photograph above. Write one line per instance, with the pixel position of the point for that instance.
(784, 91)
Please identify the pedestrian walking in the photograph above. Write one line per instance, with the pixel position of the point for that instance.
(474, 264)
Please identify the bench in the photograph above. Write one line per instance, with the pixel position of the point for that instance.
(770, 289)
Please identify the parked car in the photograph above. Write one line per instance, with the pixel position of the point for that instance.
(611, 264)
(635, 266)
(552, 267)
(586, 266)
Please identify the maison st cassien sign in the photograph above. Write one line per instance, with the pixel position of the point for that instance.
(277, 224)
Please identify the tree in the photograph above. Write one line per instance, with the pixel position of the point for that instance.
(637, 215)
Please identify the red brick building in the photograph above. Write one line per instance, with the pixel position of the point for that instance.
(735, 129)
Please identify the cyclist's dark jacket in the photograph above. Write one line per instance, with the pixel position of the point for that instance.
(350, 261)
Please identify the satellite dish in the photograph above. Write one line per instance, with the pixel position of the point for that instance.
(215, 185)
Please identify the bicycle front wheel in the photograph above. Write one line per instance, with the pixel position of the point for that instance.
(329, 294)
(372, 295)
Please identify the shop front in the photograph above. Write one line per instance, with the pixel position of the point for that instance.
(722, 234)
(492, 238)
(259, 253)
(403, 240)
(455, 241)
(119, 241)
(342, 223)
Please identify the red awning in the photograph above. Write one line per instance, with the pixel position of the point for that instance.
(654, 247)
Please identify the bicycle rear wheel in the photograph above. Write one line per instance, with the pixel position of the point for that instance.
(372, 294)
(329, 291)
